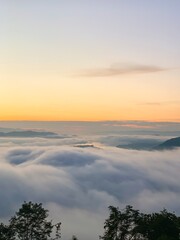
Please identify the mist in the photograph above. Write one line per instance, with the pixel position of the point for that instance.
(77, 183)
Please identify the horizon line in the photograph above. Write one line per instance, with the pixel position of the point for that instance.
(126, 120)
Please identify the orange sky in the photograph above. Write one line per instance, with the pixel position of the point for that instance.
(89, 62)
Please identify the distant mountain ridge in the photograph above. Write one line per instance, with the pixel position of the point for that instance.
(169, 144)
(30, 133)
(151, 144)
(140, 144)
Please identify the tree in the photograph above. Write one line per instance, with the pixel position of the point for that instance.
(130, 224)
(6, 232)
(121, 225)
(30, 223)
(58, 231)
(160, 226)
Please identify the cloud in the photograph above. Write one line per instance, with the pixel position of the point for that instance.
(137, 126)
(78, 184)
(161, 103)
(152, 103)
(122, 69)
(99, 171)
(19, 156)
(67, 158)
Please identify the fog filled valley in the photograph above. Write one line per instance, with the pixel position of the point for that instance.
(78, 169)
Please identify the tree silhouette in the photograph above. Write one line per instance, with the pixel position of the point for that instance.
(122, 225)
(30, 223)
(160, 226)
(6, 233)
(129, 224)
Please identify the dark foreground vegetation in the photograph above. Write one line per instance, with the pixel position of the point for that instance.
(31, 223)
(130, 224)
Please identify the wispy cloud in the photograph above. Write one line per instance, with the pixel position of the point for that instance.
(161, 103)
(152, 103)
(137, 126)
(121, 69)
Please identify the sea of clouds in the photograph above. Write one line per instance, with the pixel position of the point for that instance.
(78, 184)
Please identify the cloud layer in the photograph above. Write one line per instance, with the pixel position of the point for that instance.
(77, 185)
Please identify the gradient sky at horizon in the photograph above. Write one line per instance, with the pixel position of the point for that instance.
(90, 60)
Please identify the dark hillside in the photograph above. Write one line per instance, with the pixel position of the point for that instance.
(169, 144)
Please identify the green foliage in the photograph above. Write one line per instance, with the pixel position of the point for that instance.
(6, 233)
(30, 223)
(129, 224)
(58, 231)
(121, 224)
(160, 226)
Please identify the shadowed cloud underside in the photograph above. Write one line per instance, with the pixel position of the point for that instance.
(122, 69)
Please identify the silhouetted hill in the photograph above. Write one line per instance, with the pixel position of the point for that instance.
(85, 146)
(29, 133)
(140, 144)
(169, 144)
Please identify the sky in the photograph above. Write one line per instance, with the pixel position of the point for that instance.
(90, 60)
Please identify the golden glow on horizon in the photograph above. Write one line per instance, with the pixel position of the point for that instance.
(84, 99)
(96, 114)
